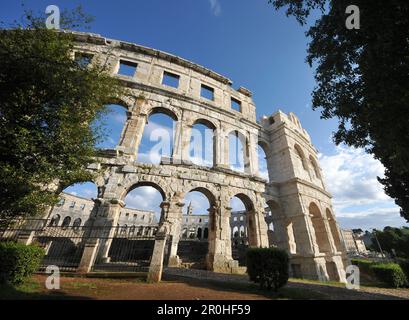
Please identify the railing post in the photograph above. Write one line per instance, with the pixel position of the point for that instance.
(88, 256)
(156, 265)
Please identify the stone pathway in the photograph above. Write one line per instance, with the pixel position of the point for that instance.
(330, 291)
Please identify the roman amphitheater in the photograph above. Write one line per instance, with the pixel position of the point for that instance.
(298, 207)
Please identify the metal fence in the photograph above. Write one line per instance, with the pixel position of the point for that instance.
(64, 246)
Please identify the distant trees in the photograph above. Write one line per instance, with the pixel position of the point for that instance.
(394, 241)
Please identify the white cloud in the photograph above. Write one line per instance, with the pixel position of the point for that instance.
(359, 199)
(351, 176)
(215, 7)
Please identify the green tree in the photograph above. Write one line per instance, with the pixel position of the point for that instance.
(362, 80)
(48, 102)
(394, 239)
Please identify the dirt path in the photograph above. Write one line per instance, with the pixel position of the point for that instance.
(192, 285)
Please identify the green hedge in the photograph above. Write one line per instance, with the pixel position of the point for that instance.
(390, 273)
(268, 267)
(393, 274)
(404, 264)
(18, 261)
(363, 264)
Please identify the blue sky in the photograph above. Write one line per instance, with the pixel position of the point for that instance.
(258, 48)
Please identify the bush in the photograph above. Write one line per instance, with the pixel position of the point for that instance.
(404, 264)
(363, 264)
(268, 267)
(18, 261)
(390, 273)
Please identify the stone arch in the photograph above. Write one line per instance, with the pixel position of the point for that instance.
(164, 110)
(54, 221)
(242, 137)
(66, 222)
(144, 183)
(235, 232)
(334, 230)
(199, 233)
(248, 232)
(300, 153)
(211, 191)
(315, 167)
(321, 236)
(203, 152)
(247, 201)
(208, 123)
(125, 101)
(263, 146)
(77, 223)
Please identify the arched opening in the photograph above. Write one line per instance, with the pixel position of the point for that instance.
(238, 152)
(110, 126)
(202, 143)
(318, 224)
(193, 244)
(242, 221)
(315, 171)
(54, 220)
(301, 157)
(66, 222)
(158, 137)
(143, 205)
(206, 233)
(262, 161)
(132, 244)
(77, 223)
(334, 230)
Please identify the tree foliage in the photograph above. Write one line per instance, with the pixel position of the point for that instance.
(362, 80)
(394, 241)
(48, 102)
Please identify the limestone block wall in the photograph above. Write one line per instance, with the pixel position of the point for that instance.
(302, 212)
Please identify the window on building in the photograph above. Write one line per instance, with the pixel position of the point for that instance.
(127, 214)
(66, 222)
(77, 223)
(241, 218)
(170, 79)
(72, 204)
(235, 219)
(83, 59)
(127, 68)
(207, 92)
(82, 207)
(135, 216)
(61, 202)
(236, 104)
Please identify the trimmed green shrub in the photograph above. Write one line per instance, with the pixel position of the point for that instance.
(18, 261)
(404, 264)
(268, 267)
(363, 264)
(390, 273)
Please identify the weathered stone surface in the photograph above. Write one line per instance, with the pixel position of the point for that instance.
(301, 208)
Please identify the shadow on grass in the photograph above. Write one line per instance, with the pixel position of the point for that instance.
(31, 290)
